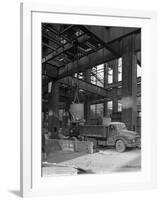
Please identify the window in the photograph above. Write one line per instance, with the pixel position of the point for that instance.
(138, 55)
(92, 110)
(96, 109)
(110, 75)
(139, 114)
(110, 106)
(97, 75)
(119, 106)
(49, 87)
(120, 69)
(138, 71)
(100, 109)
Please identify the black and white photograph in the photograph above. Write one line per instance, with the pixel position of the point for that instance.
(90, 99)
(80, 100)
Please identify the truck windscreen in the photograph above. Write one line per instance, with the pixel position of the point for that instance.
(121, 126)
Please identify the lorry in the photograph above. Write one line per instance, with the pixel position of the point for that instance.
(114, 134)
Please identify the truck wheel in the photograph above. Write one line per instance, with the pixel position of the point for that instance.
(120, 146)
(74, 138)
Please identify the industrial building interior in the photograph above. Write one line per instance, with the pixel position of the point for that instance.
(97, 68)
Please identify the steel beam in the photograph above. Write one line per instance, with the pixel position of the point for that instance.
(100, 33)
(106, 36)
(66, 29)
(50, 38)
(57, 53)
(84, 86)
(92, 60)
(48, 46)
(114, 93)
(63, 49)
(118, 33)
(119, 83)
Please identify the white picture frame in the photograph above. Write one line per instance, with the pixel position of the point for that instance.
(32, 183)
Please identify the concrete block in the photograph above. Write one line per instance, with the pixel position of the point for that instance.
(54, 145)
(84, 146)
(66, 145)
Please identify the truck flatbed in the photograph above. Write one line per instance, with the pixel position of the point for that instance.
(97, 131)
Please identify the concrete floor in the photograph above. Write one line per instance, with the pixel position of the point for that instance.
(103, 161)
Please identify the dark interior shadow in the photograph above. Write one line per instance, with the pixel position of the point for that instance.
(15, 192)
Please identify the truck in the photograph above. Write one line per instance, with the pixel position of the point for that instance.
(114, 134)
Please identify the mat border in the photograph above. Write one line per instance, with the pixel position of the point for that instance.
(26, 13)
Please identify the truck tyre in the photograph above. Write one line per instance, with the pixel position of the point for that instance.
(120, 146)
(74, 138)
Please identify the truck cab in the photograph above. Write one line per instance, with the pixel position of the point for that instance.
(119, 136)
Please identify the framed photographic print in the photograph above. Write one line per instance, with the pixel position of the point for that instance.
(87, 99)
